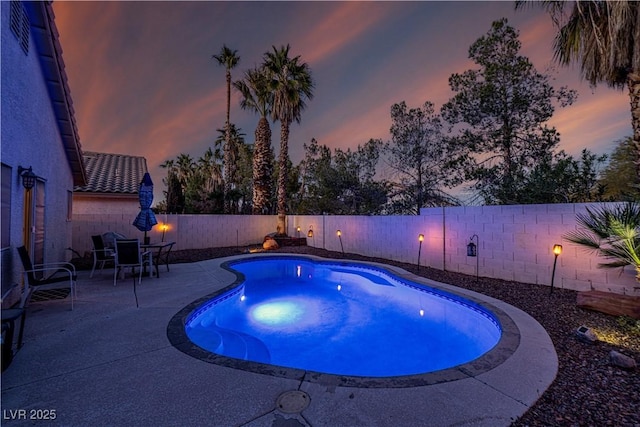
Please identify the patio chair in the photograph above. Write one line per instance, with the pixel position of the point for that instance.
(109, 239)
(128, 254)
(47, 274)
(9, 318)
(101, 254)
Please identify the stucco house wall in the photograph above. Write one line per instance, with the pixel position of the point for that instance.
(32, 137)
(88, 204)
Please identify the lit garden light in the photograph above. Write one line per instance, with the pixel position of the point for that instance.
(339, 233)
(310, 235)
(557, 250)
(298, 230)
(420, 239)
(164, 229)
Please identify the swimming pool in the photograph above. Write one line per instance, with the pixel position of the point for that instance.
(339, 318)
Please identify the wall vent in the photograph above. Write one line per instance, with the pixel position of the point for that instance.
(19, 23)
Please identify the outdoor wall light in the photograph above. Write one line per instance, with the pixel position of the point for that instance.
(339, 233)
(310, 232)
(28, 177)
(557, 250)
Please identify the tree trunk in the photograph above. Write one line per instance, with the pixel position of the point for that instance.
(420, 200)
(282, 179)
(633, 81)
(262, 168)
(227, 150)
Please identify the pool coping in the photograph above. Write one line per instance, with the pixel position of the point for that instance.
(117, 366)
(505, 348)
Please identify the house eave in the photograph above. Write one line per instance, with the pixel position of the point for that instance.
(49, 50)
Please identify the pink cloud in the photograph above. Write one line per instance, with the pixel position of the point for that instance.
(593, 122)
(143, 81)
(346, 22)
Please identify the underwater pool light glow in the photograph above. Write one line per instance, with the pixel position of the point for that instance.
(276, 313)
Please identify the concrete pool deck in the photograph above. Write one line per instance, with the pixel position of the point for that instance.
(110, 363)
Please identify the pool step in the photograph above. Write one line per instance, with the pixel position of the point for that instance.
(374, 278)
(208, 338)
(242, 346)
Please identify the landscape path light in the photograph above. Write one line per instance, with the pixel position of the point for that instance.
(310, 234)
(557, 250)
(420, 240)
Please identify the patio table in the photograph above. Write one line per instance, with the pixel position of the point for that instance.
(160, 255)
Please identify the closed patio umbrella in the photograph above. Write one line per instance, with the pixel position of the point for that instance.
(146, 218)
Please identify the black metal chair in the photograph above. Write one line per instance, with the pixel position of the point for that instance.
(128, 254)
(47, 274)
(101, 254)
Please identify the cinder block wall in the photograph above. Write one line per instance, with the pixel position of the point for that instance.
(514, 242)
(187, 231)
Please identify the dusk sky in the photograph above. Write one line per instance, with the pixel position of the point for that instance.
(143, 81)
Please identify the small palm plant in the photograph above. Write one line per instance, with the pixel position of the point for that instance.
(613, 232)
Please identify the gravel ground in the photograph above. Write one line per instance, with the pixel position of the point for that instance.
(588, 390)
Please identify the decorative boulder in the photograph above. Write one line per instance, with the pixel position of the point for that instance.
(622, 361)
(269, 243)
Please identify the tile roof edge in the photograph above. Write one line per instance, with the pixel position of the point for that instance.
(100, 153)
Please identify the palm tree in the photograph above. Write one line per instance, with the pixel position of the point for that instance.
(184, 167)
(170, 165)
(613, 232)
(604, 38)
(256, 97)
(229, 59)
(210, 168)
(291, 83)
(174, 195)
(236, 137)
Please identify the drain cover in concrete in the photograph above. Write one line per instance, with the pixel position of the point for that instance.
(292, 402)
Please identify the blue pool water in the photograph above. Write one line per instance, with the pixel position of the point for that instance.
(343, 319)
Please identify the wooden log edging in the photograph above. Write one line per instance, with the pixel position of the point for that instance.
(610, 303)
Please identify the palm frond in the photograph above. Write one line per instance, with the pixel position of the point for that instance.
(613, 232)
(613, 264)
(583, 238)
